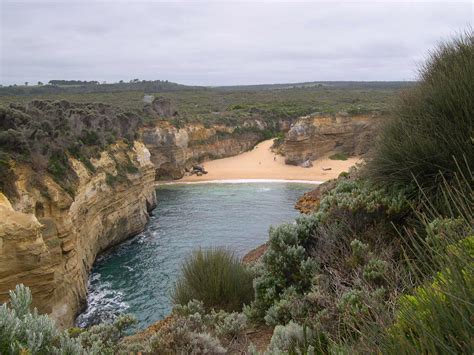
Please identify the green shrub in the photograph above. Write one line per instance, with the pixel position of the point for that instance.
(359, 252)
(217, 278)
(88, 164)
(437, 318)
(430, 135)
(24, 331)
(359, 195)
(130, 168)
(58, 165)
(7, 175)
(193, 330)
(338, 156)
(435, 312)
(343, 174)
(297, 339)
(352, 303)
(90, 138)
(375, 270)
(286, 263)
(228, 325)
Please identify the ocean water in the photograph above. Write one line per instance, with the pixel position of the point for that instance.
(137, 276)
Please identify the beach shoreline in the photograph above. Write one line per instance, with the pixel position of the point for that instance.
(262, 165)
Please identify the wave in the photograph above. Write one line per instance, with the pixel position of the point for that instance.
(103, 303)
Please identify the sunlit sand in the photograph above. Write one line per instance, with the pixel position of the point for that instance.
(262, 163)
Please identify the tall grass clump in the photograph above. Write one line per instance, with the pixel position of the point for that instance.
(217, 278)
(437, 317)
(432, 124)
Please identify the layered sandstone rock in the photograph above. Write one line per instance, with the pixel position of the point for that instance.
(174, 150)
(312, 137)
(49, 239)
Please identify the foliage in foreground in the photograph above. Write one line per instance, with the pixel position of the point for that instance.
(437, 318)
(374, 288)
(24, 331)
(217, 278)
(432, 123)
(191, 329)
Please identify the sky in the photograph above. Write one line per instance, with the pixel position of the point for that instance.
(222, 43)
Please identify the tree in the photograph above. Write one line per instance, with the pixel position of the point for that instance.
(40, 83)
(26, 83)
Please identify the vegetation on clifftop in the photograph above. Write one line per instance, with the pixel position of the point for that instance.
(44, 126)
(45, 133)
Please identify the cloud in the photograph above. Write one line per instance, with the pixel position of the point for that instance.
(211, 43)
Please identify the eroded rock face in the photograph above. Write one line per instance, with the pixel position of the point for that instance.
(174, 150)
(311, 137)
(49, 240)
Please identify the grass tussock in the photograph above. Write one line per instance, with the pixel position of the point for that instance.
(217, 278)
(432, 125)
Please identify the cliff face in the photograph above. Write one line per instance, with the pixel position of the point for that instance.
(311, 137)
(49, 239)
(174, 150)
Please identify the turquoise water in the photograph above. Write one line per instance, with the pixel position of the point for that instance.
(137, 276)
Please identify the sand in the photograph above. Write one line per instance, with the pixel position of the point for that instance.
(259, 163)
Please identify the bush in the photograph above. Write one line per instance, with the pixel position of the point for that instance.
(338, 156)
(193, 330)
(24, 331)
(217, 278)
(430, 135)
(375, 270)
(359, 252)
(58, 165)
(297, 339)
(360, 197)
(7, 175)
(437, 318)
(286, 264)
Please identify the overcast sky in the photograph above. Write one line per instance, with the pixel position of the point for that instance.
(222, 43)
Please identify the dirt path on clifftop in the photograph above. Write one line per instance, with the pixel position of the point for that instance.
(259, 163)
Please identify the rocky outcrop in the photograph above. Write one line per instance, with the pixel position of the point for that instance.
(49, 238)
(175, 150)
(159, 107)
(312, 137)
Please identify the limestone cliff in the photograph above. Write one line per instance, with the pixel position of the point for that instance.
(313, 136)
(49, 239)
(174, 150)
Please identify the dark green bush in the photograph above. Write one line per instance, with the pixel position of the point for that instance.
(338, 156)
(7, 175)
(58, 165)
(431, 133)
(217, 278)
(437, 317)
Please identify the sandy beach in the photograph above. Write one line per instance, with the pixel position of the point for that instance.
(262, 163)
